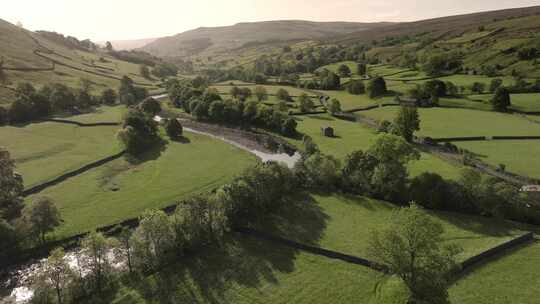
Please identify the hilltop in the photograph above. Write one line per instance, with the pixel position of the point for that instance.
(209, 40)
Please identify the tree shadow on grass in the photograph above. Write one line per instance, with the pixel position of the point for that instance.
(214, 274)
(300, 219)
(486, 226)
(181, 140)
(152, 154)
(319, 117)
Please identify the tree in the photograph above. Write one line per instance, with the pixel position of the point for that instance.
(412, 249)
(356, 87)
(335, 106)
(4, 118)
(42, 216)
(152, 240)
(61, 97)
(144, 71)
(361, 69)
(376, 87)
(406, 123)
(235, 92)
(344, 71)
(306, 104)
(97, 258)
(139, 131)
(261, 93)
(56, 272)
(173, 127)
(11, 187)
(282, 94)
(478, 87)
(288, 126)
(501, 100)
(150, 106)
(108, 96)
(495, 84)
(389, 178)
(431, 191)
(126, 247)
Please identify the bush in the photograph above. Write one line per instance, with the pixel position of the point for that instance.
(356, 87)
(108, 96)
(139, 132)
(376, 87)
(431, 191)
(174, 128)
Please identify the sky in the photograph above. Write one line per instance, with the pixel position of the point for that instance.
(102, 20)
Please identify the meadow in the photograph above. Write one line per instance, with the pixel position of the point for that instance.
(45, 150)
(512, 278)
(527, 102)
(124, 188)
(447, 122)
(351, 136)
(344, 223)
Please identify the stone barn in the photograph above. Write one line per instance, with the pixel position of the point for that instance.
(327, 131)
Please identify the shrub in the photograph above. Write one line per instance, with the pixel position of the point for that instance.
(376, 87)
(174, 128)
(356, 87)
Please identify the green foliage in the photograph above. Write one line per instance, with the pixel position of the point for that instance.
(356, 87)
(406, 123)
(335, 106)
(283, 94)
(139, 132)
(150, 106)
(306, 104)
(108, 96)
(261, 93)
(144, 71)
(11, 187)
(173, 127)
(344, 71)
(501, 100)
(411, 247)
(376, 87)
(41, 217)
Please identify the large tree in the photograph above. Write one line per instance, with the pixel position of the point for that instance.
(413, 249)
(97, 259)
(261, 93)
(344, 71)
(501, 100)
(41, 216)
(11, 187)
(406, 123)
(376, 87)
(56, 275)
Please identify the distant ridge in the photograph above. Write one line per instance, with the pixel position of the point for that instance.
(223, 38)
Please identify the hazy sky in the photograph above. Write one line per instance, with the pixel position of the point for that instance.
(131, 19)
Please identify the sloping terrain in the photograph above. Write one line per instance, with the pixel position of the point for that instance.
(36, 57)
(209, 40)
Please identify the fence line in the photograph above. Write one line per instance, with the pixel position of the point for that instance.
(61, 178)
(312, 249)
(82, 124)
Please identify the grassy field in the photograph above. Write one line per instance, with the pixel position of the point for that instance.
(122, 189)
(45, 150)
(529, 102)
(353, 66)
(246, 270)
(519, 156)
(509, 279)
(345, 223)
(349, 101)
(384, 69)
(101, 114)
(352, 136)
(441, 122)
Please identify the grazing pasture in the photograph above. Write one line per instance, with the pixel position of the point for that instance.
(512, 278)
(519, 156)
(45, 150)
(351, 136)
(345, 224)
(123, 189)
(444, 122)
(527, 102)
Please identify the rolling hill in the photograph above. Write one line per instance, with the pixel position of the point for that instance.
(47, 57)
(211, 40)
